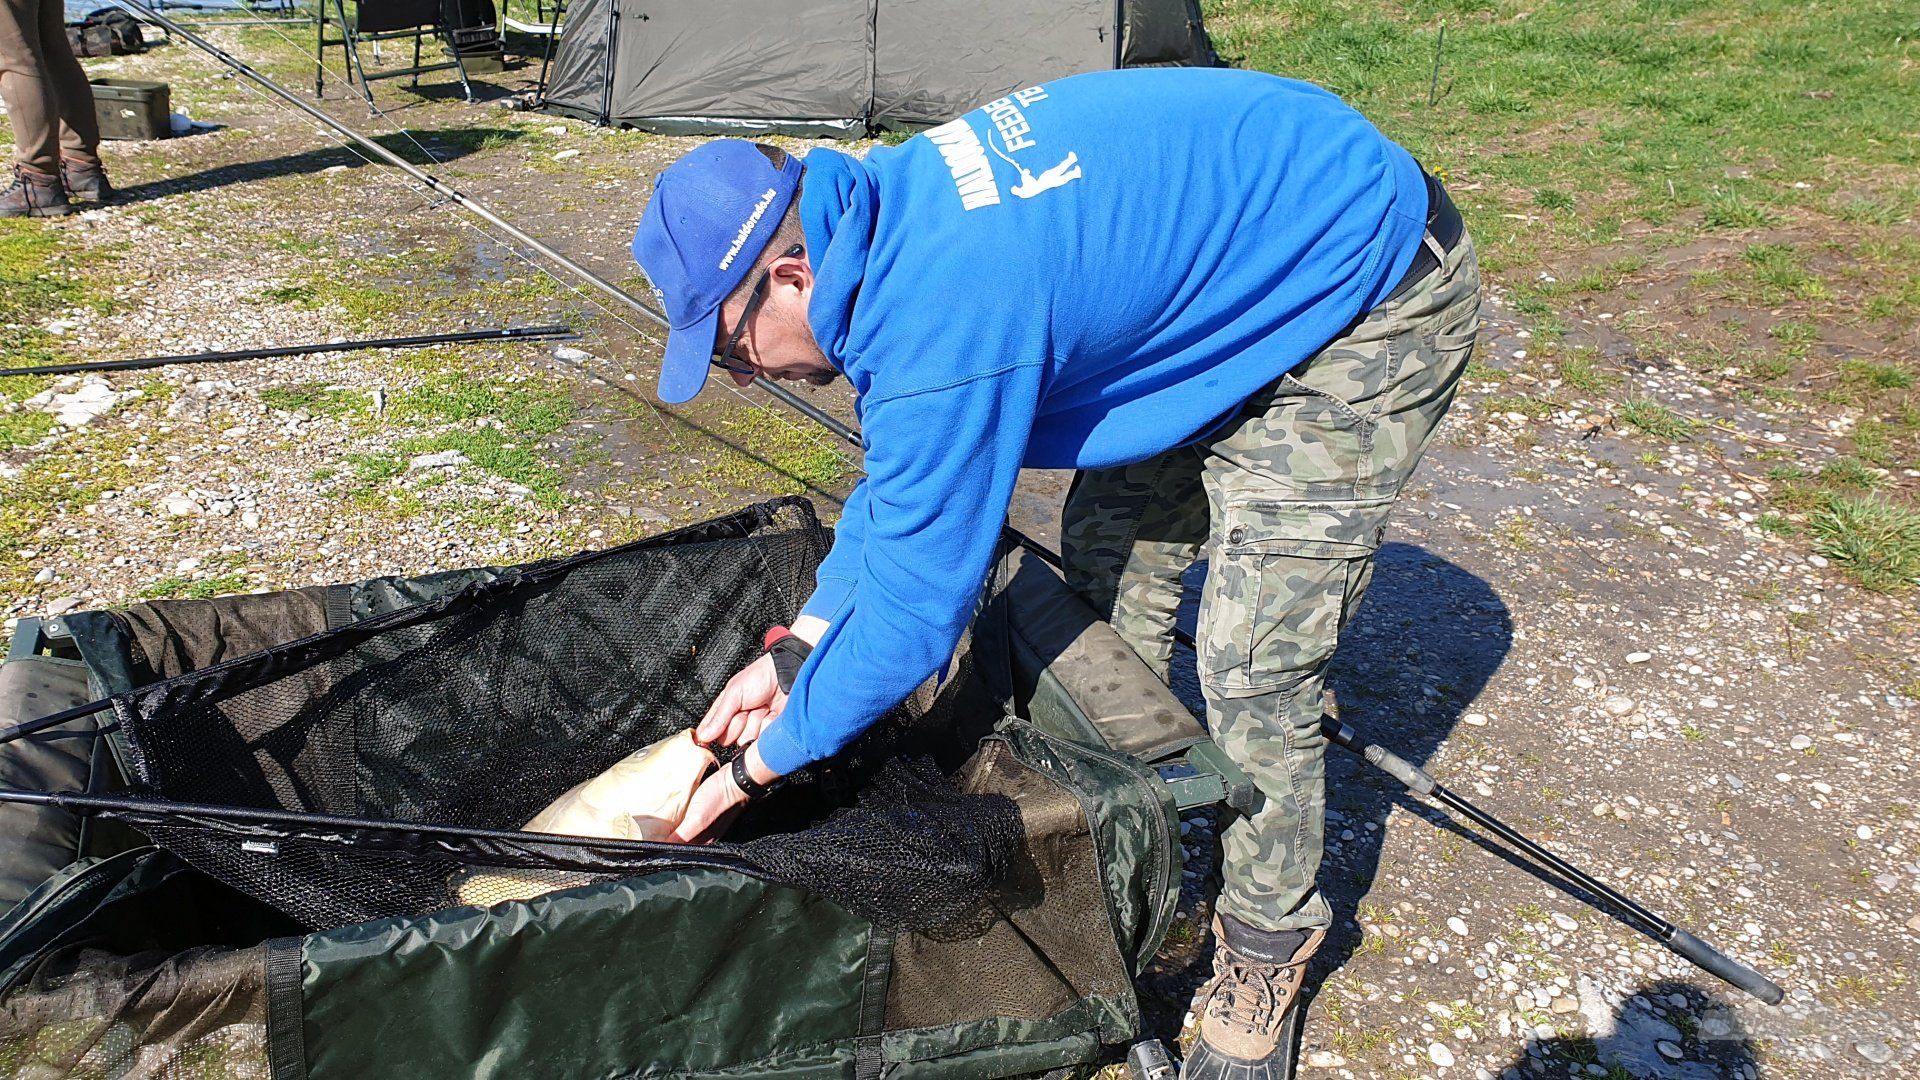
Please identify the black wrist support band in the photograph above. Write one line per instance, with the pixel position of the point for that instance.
(745, 782)
(789, 652)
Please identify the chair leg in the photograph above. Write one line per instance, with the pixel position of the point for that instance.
(319, 49)
(461, 66)
(355, 71)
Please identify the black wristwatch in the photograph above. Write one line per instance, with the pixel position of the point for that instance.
(789, 651)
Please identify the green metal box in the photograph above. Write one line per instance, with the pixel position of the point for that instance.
(132, 109)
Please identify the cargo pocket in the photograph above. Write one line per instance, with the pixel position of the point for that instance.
(1457, 328)
(1284, 579)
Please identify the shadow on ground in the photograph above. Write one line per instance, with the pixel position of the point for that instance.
(1426, 640)
(1650, 1034)
(446, 145)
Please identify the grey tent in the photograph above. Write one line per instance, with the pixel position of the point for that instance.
(843, 67)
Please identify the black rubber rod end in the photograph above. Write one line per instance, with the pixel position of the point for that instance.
(1720, 965)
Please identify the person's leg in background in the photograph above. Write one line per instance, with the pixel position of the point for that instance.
(1127, 534)
(1300, 492)
(80, 168)
(34, 110)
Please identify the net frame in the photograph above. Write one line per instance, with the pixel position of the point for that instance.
(274, 845)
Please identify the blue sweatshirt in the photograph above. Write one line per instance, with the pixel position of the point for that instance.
(1083, 274)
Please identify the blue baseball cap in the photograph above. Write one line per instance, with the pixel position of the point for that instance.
(711, 215)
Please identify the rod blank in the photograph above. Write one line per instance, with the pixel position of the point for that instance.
(1696, 951)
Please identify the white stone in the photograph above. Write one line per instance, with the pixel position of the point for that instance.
(1800, 742)
(1817, 562)
(63, 605)
(1476, 719)
(187, 565)
(565, 154)
(1440, 1055)
(1325, 1059)
(571, 355)
(1565, 922)
(181, 506)
(1639, 657)
(1874, 1050)
(44, 577)
(1618, 705)
(250, 519)
(1457, 925)
(1863, 832)
(444, 459)
(1669, 1050)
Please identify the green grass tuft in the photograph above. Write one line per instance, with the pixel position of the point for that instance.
(180, 587)
(1580, 371)
(1876, 541)
(1655, 419)
(1732, 210)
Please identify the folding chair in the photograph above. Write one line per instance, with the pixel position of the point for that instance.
(385, 20)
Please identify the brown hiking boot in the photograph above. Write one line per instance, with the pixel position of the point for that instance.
(34, 194)
(1249, 1028)
(86, 182)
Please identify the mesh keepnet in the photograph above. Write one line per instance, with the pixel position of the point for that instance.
(462, 717)
(200, 1014)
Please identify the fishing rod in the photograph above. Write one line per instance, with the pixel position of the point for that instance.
(1681, 942)
(462, 200)
(510, 333)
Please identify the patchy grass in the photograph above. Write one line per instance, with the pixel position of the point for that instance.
(528, 409)
(179, 587)
(316, 399)
(1532, 408)
(1654, 419)
(1614, 154)
(1876, 541)
(493, 451)
(40, 275)
(773, 454)
(1580, 370)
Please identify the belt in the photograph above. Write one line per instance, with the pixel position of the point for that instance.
(1444, 230)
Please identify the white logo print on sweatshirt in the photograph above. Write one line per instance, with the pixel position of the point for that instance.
(966, 157)
(1010, 122)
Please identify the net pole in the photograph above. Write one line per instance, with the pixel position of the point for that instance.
(511, 333)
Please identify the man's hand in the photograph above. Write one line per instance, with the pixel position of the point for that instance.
(751, 699)
(718, 799)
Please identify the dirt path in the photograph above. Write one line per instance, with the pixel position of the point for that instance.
(1587, 630)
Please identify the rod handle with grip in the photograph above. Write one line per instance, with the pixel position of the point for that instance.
(1724, 967)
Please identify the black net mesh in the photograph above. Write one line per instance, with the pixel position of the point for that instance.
(454, 721)
(194, 1015)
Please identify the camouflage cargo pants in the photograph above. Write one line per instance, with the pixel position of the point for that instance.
(1294, 496)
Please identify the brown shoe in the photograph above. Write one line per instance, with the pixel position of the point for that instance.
(86, 182)
(34, 194)
(1249, 1028)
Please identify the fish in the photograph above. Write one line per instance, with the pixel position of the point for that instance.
(644, 796)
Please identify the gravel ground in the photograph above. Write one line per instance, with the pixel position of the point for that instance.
(1580, 628)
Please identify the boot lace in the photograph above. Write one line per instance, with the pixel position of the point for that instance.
(1248, 993)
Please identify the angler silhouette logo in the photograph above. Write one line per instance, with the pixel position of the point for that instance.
(1031, 185)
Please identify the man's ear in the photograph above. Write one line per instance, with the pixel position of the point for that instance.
(793, 271)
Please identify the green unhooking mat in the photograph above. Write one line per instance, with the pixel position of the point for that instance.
(968, 892)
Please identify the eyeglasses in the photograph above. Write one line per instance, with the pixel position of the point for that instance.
(725, 360)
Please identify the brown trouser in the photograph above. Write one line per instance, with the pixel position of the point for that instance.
(45, 88)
